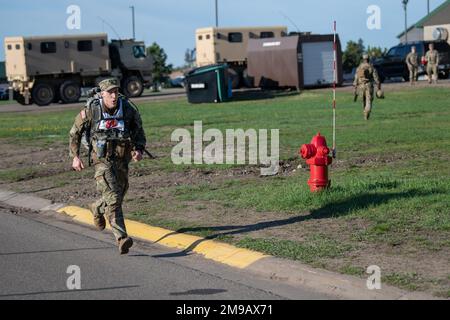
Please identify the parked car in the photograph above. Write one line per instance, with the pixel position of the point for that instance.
(393, 65)
(177, 82)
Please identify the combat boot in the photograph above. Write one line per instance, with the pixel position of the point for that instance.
(124, 244)
(99, 219)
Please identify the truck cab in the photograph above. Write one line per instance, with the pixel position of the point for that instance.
(135, 66)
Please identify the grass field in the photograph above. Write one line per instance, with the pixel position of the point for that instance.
(388, 205)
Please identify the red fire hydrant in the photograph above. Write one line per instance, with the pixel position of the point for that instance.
(316, 155)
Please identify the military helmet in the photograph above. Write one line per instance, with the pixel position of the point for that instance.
(380, 94)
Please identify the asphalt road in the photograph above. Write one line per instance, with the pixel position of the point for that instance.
(38, 249)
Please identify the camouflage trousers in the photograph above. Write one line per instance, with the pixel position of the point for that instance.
(432, 72)
(412, 73)
(112, 183)
(366, 92)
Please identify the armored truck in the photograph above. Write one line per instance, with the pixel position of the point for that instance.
(48, 69)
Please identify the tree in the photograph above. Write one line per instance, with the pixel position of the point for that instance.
(376, 52)
(160, 69)
(352, 55)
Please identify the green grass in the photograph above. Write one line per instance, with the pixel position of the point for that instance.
(309, 251)
(14, 175)
(5, 102)
(352, 270)
(408, 281)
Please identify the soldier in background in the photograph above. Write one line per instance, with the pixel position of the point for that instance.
(365, 78)
(113, 129)
(432, 59)
(412, 61)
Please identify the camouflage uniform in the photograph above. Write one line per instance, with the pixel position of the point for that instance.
(111, 170)
(432, 58)
(412, 60)
(365, 77)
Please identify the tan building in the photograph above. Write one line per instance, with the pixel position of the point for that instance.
(434, 26)
(437, 25)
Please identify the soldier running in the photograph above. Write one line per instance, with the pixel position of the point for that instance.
(113, 130)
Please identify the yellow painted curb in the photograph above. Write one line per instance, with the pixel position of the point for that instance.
(214, 250)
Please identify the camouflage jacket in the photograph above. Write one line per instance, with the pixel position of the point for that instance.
(432, 57)
(412, 59)
(365, 74)
(85, 124)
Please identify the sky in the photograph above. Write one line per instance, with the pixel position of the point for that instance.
(172, 23)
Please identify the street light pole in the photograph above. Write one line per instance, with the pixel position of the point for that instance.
(405, 7)
(428, 6)
(132, 19)
(217, 14)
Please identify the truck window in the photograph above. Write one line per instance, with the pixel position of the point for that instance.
(235, 37)
(419, 50)
(9, 47)
(84, 45)
(48, 47)
(208, 37)
(267, 34)
(405, 50)
(139, 51)
(17, 46)
(200, 38)
(393, 52)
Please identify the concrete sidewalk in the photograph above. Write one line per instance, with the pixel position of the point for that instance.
(276, 269)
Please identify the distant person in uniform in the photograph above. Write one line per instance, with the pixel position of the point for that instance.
(365, 78)
(412, 61)
(432, 59)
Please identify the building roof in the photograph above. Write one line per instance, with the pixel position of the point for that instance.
(435, 17)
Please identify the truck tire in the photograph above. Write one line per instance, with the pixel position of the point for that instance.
(406, 77)
(443, 74)
(70, 91)
(132, 87)
(43, 94)
(234, 76)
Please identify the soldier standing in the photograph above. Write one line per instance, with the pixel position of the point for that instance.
(412, 60)
(113, 129)
(432, 59)
(365, 77)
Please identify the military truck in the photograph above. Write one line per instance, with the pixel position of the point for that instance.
(48, 69)
(229, 45)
